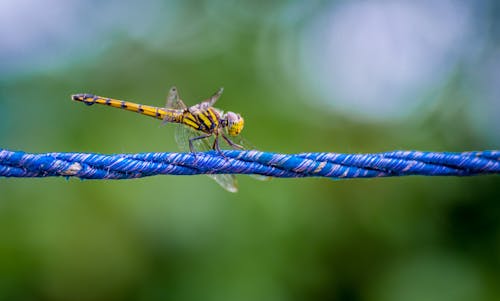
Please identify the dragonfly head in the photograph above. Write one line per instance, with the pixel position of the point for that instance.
(235, 123)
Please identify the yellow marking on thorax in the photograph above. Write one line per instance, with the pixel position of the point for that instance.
(205, 119)
(189, 120)
(214, 116)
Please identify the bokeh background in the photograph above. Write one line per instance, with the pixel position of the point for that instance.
(338, 76)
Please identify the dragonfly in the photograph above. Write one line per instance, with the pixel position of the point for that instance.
(198, 128)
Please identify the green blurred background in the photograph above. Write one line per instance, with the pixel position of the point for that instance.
(345, 76)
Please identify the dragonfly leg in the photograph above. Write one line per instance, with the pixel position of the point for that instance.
(191, 147)
(231, 143)
(216, 147)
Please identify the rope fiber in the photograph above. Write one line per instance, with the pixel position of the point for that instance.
(332, 165)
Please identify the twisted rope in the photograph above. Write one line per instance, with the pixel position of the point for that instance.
(126, 166)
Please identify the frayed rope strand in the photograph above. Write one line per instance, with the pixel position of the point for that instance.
(332, 165)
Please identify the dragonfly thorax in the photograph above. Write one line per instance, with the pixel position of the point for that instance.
(234, 123)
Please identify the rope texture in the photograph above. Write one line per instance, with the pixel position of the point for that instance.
(332, 165)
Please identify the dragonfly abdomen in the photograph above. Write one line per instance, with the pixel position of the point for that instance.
(155, 112)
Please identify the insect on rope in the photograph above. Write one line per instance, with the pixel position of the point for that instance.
(202, 117)
(196, 125)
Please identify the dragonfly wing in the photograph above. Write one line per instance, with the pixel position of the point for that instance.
(213, 99)
(174, 101)
(227, 182)
(182, 136)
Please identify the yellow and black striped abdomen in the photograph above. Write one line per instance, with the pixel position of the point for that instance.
(159, 113)
(206, 121)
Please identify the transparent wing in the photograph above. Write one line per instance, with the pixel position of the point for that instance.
(213, 99)
(174, 101)
(182, 136)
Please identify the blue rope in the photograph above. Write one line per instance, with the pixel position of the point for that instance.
(126, 166)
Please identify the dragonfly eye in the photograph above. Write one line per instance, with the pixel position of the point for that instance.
(235, 123)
